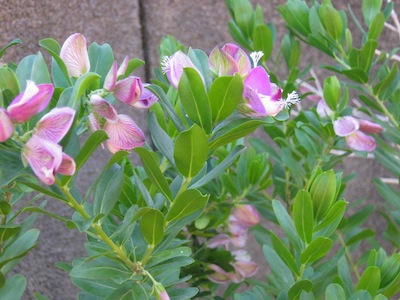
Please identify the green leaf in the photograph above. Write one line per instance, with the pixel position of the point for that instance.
(331, 19)
(13, 288)
(133, 64)
(8, 81)
(286, 223)
(323, 193)
(151, 166)
(335, 292)
(225, 94)
(244, 16)
(367, 54)
(356, 74)
(185, 204)
(152, 226)
(193, 96)
(41, 189)
(335, 212)
(332, 92)
(10, 44)
(278, 268)
(234, 131)
(108, 190)
(364, 234)
(91, 144)
(393, 288)
(87, 82)
(317, 249)
(101, 59)
(380, 88)
(8, 230)
(263, 41)
(282, 250)
(191, 151)
(220, 168)
(370, 280)
(377, 26)
(200, 60)
(10, 166)
(300, 286)
(303, 215)
(32, 67)
(54, 49)
(369, 10)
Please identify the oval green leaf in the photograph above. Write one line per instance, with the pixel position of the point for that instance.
(370, 280)
(185, 204)
(303, 215)
(316, 250)
(152, 226)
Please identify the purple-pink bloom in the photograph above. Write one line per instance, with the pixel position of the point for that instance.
(75, 55)
(323, 109)
(123, 134)
(44, 157)
(128, 90)
(30, 102)
(103, 108)
(111, 79)
(6, 125)
(221, 63)
(173, 67)
(67, 166)
(54, 125)
(346, 126)
(359, 141)
(146, 99)
(239, 56)
(221, 276)
(262, 98)
(370, 127)
(123, 67)
(246, 215)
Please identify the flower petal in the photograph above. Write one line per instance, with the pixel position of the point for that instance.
(245, 268)
(67, 166)
(33, 100)
(128, 90)
(323, 109)
(75, 55)
(123, 134)
(220, 275)
(6, 125)
(103, 108)
(111, 78)
(370, 127)
(146, 100)
(359, 141)
(54, 125)
(123, 67)
(258, 80)
(346, 125)
(93, 122)
(221, 63)
(219, 240)
(241, 58)
(44, 157)
(246, 215)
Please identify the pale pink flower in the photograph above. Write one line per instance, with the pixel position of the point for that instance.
(123, 134)
(103, 108)
(44, 157)
(246, 215)
(323, 109)
(239, 56)
(346, 126)
(219, 240)
(67, 166)
(123, 67)
(6, 125)
(245, 268)
(173, 67)
(54, 125)
(128, 90)
(111, 79)
(221, 276)
(370, 127)
(75, 55)
(30, 102)
(93, 123)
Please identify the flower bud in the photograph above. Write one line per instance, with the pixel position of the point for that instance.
(246, 215)
(128, 90)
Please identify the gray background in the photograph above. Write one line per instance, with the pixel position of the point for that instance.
(133, 28)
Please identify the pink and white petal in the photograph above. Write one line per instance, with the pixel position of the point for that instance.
(253, 106)
(93, 122)
(221, 63)
(176, 64)
(247, 215)
(323, 109)
(219, 240)
(128, 90)
(31, 101)
(245, 268)
(271, 107)
(44, 157)
(104, 108)
(67, 166)
(243, 63)
(370, 127)
(239, 240)
(359, 141)
(345, 126)
(54, 125)
(111, 78)
(75, 55)
(220, 275)
(123, 67)
(6, 125)
(146, 100)
(123, 134)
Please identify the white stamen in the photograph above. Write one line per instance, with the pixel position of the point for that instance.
(166, 64)
(256, 56)
(291, 99)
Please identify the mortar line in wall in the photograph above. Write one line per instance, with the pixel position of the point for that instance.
(145, 45)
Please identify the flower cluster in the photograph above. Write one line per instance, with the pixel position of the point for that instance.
(261, 97)
(242, 218)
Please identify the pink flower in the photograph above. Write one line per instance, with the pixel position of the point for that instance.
(44, 157)
(323, 109)
(30, 102)
(146, 99)
(67, 166)
(103, 108)
(350, 128)
(75, 55)
(112, 75)
(229, 60)
(246, 215)
(128, 90)
(221, 276)
(173, 67)
(219, 240)
(54, 125)
(6, 125)
(123, 134)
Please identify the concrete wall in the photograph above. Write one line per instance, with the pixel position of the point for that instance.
(133, 28)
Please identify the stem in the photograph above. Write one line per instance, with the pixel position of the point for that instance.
(348, 256)
(146, 256)
(185, 183)
(97, 228)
